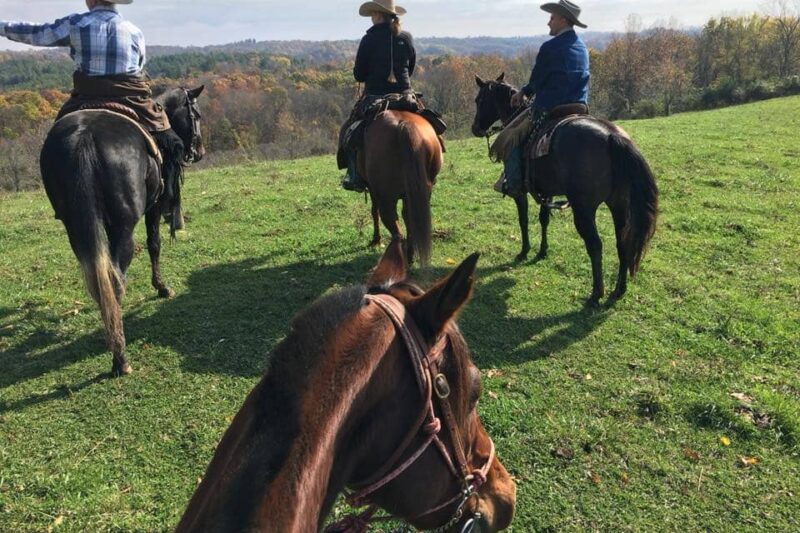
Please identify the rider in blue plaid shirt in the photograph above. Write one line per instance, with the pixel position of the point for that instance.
(101, 42)
(109, 55)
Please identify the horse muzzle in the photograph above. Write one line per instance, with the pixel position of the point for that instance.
(477, 131)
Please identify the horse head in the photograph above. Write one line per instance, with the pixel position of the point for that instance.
(493, 103)
(184, 116)
(434, 491)
(372, 393)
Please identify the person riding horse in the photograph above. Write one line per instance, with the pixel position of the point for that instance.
(109, 55)
(560, 76)
(384, 63)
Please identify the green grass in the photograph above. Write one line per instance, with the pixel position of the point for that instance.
(641, 393)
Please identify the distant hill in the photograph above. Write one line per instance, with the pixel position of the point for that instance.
(345, 49)
(52, 68)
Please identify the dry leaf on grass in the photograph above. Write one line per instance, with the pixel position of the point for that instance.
(742, 397)
(493, 395)
(563, 453)
(748, 461)
(451, 261)
(691, 454)
(594, 477)
(493, 373)
(725, 441)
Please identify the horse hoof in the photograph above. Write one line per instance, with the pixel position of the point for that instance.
(119, 371)
(592, 303)
(166, 292)
(521, 257)
(374, 243)
(541, 256)
(616, 295)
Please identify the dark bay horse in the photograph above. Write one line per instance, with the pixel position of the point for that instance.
(372, 390)
(591, 162)
(401, 158)
(101, 179)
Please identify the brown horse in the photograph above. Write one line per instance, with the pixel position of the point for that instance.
(402, 156)
(339, 396)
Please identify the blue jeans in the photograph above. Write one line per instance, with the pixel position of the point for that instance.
(514, 164)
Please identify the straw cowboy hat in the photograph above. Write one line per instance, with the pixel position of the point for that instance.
(380, 6)
(566, 9)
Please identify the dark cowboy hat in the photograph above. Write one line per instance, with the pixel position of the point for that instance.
(566, 9)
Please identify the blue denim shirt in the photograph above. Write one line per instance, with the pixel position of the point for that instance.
(561, 73)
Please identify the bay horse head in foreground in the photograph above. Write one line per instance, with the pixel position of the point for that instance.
(372, 393)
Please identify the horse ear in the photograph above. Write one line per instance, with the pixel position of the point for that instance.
(439, 305)
(480, 82)
(392, 266)
(502, 77)
(194, 93)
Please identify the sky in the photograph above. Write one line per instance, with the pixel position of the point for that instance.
(204, 22)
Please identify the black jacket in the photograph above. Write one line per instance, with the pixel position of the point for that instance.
(373, 60)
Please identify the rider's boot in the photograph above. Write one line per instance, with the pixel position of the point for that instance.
(352, 181)
(510, 182)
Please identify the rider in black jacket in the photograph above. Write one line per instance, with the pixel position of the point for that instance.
(384, 64)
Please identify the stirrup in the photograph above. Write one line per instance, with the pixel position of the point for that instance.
(500, 184)
(350, 184)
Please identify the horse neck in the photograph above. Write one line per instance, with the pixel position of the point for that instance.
(303, 474)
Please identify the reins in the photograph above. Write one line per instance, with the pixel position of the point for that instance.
(191, 155)
(432, 384)
(494, 130)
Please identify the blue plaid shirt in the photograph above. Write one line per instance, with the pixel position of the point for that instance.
(101, 42)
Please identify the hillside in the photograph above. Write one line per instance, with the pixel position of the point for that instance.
(676, 410)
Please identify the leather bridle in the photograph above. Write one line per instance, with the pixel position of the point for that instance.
(515, 112)
(432, 385)
(192, 155)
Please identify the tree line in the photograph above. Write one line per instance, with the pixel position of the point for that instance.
(263, 105)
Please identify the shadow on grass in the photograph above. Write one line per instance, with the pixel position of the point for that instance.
(226, 321)
(230, 316)
(499, 338)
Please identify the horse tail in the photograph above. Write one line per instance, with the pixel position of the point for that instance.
(417, 190)
(89, 240)
(632, 171)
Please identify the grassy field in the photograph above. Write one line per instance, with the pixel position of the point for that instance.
(676, 410)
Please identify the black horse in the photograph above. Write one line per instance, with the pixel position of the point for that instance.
(101, 179)
(591, 161)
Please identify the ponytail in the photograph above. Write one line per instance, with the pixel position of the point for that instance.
(394, 25)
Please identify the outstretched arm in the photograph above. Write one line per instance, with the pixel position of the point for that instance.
(55, 34)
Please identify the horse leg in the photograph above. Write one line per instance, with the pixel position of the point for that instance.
(409, 241)
(152, 219)
(584, 218)
(388, 215)
(544, 221)
(121, 248)
(522, 214)
(376, 230)
(619, 215)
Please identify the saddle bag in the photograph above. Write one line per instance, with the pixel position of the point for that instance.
(435, 118)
